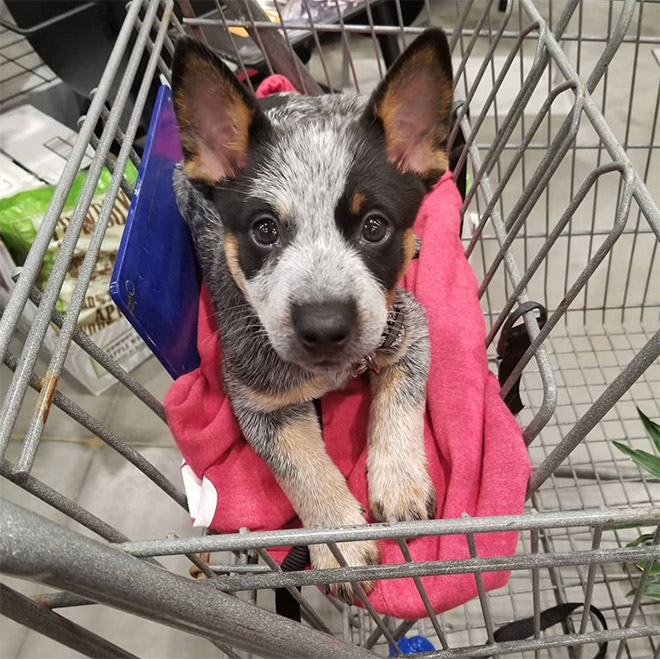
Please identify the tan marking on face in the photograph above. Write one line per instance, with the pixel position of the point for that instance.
(357, 203)
(230, 246)
(408, 253)
(266, 401)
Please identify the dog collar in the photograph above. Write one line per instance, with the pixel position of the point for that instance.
(390, 339)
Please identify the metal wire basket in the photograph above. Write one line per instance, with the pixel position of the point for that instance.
(558, 107)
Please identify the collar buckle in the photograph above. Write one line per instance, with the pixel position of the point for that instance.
(390, 339)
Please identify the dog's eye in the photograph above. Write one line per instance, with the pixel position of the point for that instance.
(264, 232)
(375, 229)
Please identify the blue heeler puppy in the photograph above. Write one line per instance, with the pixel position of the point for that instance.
(301, 212)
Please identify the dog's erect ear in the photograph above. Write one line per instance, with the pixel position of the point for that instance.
(413, 105)
(214, 113)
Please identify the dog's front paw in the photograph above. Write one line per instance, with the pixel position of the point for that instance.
(355, 554)
(402, 496)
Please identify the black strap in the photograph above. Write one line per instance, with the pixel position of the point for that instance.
(520, 629)
(512, 345)
(285, 603)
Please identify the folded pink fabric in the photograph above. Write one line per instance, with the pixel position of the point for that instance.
(475, 449)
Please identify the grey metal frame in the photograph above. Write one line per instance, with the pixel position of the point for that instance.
(512, 162)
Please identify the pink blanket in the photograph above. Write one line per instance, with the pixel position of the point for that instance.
(476, 454)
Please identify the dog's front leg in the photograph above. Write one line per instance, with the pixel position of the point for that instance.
(400, 486)
(291, 442)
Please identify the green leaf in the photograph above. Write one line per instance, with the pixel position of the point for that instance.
(652, 428)
(652, 589)
(643, 459)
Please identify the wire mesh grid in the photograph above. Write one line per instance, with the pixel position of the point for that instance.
(22, 71)
(558, 103)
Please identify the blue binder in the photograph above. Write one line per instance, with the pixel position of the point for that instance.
(156, 282)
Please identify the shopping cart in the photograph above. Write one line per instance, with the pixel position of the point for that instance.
(558, 108)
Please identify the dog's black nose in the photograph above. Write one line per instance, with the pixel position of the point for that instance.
(323, 328)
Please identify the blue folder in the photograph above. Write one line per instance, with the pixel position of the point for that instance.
(156, 282)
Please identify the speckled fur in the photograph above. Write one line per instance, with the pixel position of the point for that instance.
(303, 174)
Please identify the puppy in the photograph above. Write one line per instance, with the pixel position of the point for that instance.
(301, 211)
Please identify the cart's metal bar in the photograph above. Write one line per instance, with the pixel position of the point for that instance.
(65, 505)
(440, 527)
(294, 58)
(436, 568)
(639, 593)
(61, 600)
(255, 34)
(555, 574)
(647, 168)
(119, 134)
(42, 407)
(374, 40)
(642, 360)
(347, 47)
(536, 594)
(97, 428)
(611, 144)
(481, 590)
(196, 560)
(437, 626)
(126, 187)
(473, 40)
(238, 58)
(399, 16)
(188, 13)
(319, 48)
(28, 356)
(34, 259)
(605, 78)
(307, 610)
(475, 127)
(647, 285)
(162, 67)
(41, 619)
(228, 569)
(630, 474)
(566, 641)
(35, 548)
(551, 239)
(612, 43)
(102, 357)
(452, 32)
(359, 591)
(398, 633)
(284, 60)
(591, 577)
(621, 217)
(457, 32)
(601, 149)
(513, 115)
(516, 158)
(33, 29)
(531, 323)
(487, 60)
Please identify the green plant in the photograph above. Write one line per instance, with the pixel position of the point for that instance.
(650, 463)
